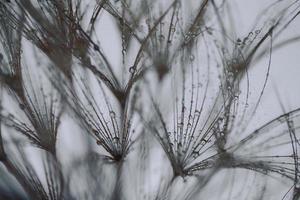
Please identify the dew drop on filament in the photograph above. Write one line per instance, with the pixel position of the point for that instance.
(132, 69)
(112, 114)
(192, 57)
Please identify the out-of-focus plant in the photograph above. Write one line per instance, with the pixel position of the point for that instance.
(126, 99)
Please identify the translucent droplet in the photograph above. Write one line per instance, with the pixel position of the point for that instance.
(180, 125)
(148, 21)
(197, 112)
(96, 47)
(297, 185)
(22, 106)
(222, 133)
(196, 153)
(220, 120)
(10, 116)
(257, 32)
(95, 132)
(209, 31)
(132, 69)
(112, 114)
(192, 57)
(235, 61)
(282, 170)
(116, 139)
(161, 37)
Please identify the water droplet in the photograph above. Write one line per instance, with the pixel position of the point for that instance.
(161, 37)
(95, 132)
(203, 140)
(112, 114)
(282, 170)
(116, 139)
(192, 57)
(22, 106)
(132, 69)
(195, 154)
(222, 133)
(180, 125)
(10, 116)
(141, 27)
(197, 112)
(235, 61)
(96, 47)
(148, 21)
(297, 185)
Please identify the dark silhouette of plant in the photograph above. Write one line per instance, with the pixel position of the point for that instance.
(167, 109)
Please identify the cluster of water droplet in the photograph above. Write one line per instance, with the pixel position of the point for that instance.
(248, 39)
